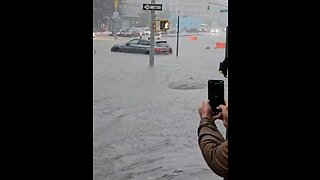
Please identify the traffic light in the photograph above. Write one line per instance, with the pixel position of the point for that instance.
(164, 25)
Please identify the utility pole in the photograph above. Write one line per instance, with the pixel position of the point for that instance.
(151, 52)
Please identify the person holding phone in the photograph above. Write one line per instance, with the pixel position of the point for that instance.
(213, 145)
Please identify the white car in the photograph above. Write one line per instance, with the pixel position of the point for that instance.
(94, 35)
(146, 32)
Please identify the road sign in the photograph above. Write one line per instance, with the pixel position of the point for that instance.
(155, 7)
(224, 10)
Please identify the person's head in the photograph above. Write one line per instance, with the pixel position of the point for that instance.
(223, 67)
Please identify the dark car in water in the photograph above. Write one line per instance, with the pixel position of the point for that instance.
(142, 45)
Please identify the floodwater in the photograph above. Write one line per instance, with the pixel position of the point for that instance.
(146, 118)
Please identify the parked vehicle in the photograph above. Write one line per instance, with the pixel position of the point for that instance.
(204, 28)
(128, 33)
(193, 30)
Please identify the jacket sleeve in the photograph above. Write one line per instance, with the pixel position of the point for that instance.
(214, 147)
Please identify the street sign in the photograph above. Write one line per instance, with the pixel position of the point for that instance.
(224, 10)
(154, 7)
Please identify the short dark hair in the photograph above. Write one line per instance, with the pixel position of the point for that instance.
(223, 68)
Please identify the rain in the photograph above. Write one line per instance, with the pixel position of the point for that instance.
(146, 117)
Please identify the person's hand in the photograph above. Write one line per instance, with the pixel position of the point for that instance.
(224, 113)
(205, 111)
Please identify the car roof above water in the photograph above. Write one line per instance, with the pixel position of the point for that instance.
(157, 41)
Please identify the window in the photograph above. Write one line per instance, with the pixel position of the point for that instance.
(144, 42)
(134, 41)
(162, 44)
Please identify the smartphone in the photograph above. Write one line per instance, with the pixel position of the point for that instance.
(216, 94)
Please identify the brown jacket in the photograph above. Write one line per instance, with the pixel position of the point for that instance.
(214, 147)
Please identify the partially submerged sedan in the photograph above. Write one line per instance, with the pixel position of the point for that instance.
(141, 45)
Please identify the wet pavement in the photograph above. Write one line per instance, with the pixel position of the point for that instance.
(146, 118)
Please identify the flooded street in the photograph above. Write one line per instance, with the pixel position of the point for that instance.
(146, 118)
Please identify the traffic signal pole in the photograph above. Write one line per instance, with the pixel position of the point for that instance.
(178, 34)
(151, 52)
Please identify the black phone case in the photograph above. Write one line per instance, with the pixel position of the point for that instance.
(215, 94)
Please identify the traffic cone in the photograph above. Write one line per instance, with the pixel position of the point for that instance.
(220, 45)
(192, 38)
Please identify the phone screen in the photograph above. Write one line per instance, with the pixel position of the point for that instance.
(215, 94)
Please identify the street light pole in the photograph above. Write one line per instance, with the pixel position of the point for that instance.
(215, 9)
(218, 4)
(151, 52)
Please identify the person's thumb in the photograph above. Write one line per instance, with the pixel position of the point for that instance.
(218, 116)
(220, 106)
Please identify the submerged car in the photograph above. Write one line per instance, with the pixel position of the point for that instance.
(141, 45)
